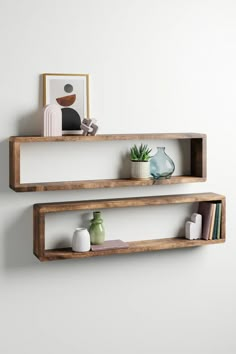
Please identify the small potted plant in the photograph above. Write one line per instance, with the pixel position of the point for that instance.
(140, 161)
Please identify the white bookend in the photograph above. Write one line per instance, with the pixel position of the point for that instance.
(193, 228)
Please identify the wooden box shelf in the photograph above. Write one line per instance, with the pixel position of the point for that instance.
(197, 168)
(40, 211)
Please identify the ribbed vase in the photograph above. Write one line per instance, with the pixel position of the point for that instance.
(140, 169)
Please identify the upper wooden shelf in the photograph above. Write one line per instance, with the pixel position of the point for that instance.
(197, 168)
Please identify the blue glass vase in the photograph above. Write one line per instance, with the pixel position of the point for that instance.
(161, 165)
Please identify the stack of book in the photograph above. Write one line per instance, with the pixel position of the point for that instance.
(211, 220)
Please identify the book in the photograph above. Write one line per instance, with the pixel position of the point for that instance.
(215, 228)
(212, 223)
(217, 222)
(109, 245)
(207, 210)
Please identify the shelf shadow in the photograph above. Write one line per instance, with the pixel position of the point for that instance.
(4, 166)
(18, 242)
(30, 123)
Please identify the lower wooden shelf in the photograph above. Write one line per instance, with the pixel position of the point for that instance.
(40, 211)
(134, 247)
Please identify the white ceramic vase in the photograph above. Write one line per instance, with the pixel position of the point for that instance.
(81, 240)
(140, 169)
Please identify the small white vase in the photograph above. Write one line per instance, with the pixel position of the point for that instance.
(140, 169)
(81, 240)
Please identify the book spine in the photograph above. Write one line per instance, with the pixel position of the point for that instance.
(215, 229)
(219, 221)
(210, 236)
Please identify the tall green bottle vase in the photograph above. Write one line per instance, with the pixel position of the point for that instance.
(96, 229)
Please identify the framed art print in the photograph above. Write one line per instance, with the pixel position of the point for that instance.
(71, 93)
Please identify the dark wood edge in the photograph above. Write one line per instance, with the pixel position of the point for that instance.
(38, 232)
(223, 219)
(204, 157)
(14, 164)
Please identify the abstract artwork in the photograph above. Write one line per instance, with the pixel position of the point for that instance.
(70, 92)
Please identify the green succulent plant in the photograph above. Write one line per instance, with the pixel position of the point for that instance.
(141, 153)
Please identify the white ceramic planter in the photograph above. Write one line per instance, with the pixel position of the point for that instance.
(140, 169)
(81, 240)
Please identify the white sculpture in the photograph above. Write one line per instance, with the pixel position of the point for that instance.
(52, 120)
(193, 228)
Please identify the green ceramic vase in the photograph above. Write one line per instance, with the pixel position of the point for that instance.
(96, 229)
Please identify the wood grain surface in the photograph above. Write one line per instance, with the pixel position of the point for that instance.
(108, 137)
(102, 183)
(134, 247)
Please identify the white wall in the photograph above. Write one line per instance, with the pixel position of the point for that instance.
(155, 66)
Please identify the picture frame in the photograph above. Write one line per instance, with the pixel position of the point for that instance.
(71, 93)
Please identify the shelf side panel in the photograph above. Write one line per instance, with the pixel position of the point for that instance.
(14, 164)
(39, 233)
(198, 157)
(223, 219)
